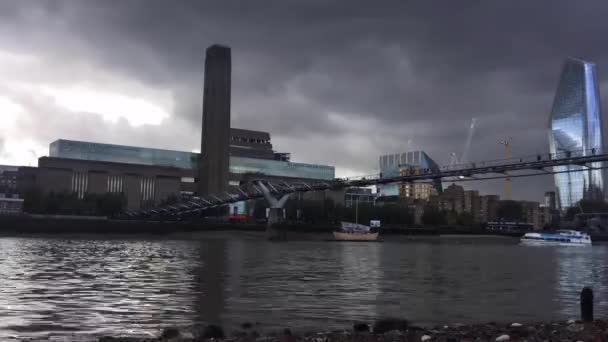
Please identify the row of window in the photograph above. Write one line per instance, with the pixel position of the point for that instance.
(358, 198)
(250, 140)
(546, 239)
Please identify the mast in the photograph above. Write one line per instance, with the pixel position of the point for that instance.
(357, 209)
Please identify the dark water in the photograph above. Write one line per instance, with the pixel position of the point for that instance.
(85, 287)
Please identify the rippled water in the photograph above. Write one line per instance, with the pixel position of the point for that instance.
(55, 288)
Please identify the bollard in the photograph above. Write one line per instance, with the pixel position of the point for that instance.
(587, 305)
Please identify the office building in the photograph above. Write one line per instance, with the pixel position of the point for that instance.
(213, 171)
(391, 164)
(576, 128)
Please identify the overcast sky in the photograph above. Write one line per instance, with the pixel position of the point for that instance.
(334, 82)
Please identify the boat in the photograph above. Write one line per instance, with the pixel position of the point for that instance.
(557, 238)
(355, 232)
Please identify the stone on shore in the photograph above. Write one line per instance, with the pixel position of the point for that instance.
(552, 331)
(170, 333)
(360, 327)
(213, 331)
(389, 324)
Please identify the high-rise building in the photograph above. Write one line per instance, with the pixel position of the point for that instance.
(452, 199)
(489, 208)
(472, 204)
(215, 144)
(550, 200)
(576, 127)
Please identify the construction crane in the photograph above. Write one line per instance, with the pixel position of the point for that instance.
(467, 144)
(454, 160)
(464, 157)
(506, 142)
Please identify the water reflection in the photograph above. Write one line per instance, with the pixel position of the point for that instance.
(578, 267)
(79, 288)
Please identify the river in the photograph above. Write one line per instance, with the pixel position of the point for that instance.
(84, 287)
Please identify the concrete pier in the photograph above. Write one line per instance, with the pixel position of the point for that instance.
(275, 213)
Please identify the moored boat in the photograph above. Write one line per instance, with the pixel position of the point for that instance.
(355, 232)
(557, 238)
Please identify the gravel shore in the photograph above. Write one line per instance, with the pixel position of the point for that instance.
(400, 331)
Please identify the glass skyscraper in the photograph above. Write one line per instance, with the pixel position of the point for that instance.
(576, 126)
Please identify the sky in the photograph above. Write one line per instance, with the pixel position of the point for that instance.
(334, 82)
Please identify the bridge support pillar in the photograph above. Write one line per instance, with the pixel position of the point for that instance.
(275, 214)
(273, 229)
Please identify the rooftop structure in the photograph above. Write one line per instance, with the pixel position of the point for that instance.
(69, 149)
(392, 164)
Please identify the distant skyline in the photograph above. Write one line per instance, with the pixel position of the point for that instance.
(337, 83)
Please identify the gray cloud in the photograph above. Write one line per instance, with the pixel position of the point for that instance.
(334, 82)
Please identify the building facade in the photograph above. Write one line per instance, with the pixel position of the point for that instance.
(215, 141)
(241, 162)
(452, 199)
(349, 197)
(8, 181)
(11, 206)
(83, 150)
(488, 208)
(576, 127)
(415, 190)
(73, 165)
(141, 185)
(390, 165)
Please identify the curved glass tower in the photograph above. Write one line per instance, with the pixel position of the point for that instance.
(576, 126)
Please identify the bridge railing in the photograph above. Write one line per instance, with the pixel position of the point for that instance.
(535, 158)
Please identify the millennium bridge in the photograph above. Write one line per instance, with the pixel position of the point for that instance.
(276, 193)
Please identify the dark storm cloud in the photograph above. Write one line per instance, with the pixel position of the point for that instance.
(339, 82)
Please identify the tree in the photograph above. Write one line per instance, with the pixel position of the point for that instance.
(432, 216)
(587, 206)
(466, 219)
(510, 211)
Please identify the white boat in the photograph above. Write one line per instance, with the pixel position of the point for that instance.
(355, 232)
(557, 238)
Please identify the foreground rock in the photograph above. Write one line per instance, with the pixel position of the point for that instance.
(400, 331)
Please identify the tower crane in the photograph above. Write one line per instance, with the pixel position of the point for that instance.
(454, 159)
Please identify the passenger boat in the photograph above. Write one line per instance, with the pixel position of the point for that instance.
(355, 232)
(557, 238)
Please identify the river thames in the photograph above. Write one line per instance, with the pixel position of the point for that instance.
(84, 287)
